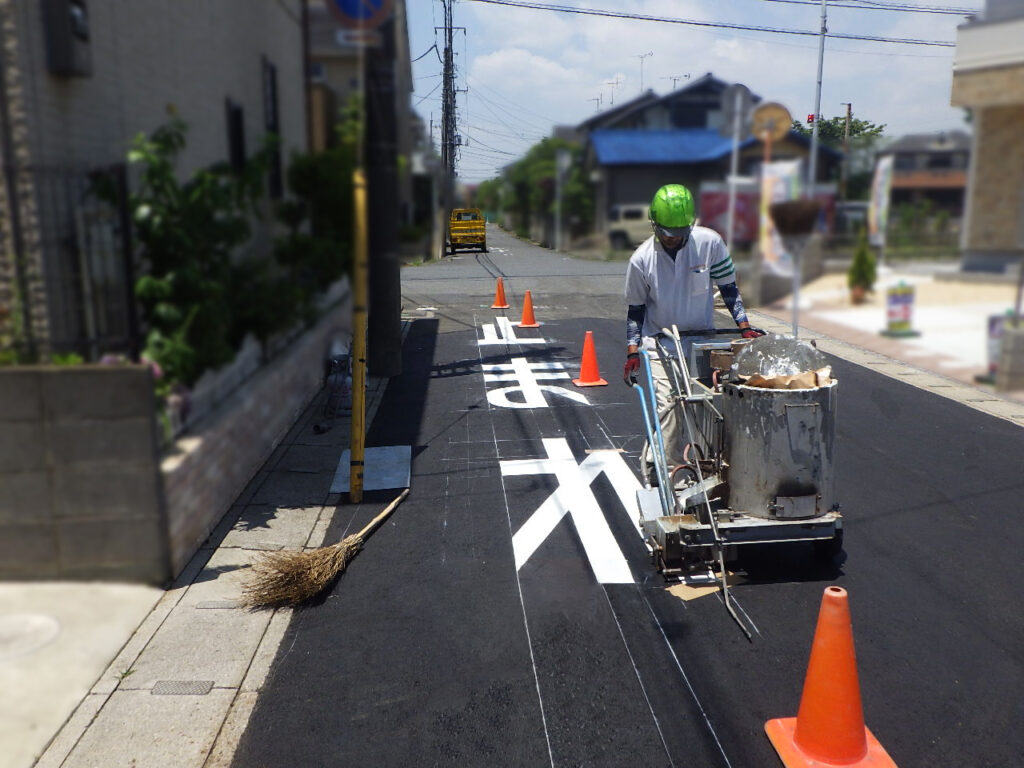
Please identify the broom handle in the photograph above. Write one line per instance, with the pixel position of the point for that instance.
(383, 515)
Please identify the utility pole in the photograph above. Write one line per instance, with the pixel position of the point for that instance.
(642, 56)
(812, 173)
(384, 329)
(846, 151)
(597, 102)
(448, 119)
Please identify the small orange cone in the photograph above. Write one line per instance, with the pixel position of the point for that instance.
(829, 727)
(528, 321)
(589, 377)
(499, 297)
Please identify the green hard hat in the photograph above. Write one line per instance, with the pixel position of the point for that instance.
(672, 207)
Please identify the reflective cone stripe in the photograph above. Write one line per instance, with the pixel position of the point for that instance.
(589, 376)
(829, 727)
(499, 296)
(528, 321)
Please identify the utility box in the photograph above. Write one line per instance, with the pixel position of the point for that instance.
(66, 25)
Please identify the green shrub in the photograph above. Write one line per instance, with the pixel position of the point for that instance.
(862, 270)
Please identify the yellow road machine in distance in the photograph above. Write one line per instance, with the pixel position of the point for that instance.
(467, 230)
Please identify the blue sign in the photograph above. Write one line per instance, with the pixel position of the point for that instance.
(363, 14)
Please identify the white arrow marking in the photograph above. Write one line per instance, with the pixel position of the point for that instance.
(574, 496)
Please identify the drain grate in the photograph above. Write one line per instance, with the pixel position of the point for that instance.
(217, 604)
(182, 687)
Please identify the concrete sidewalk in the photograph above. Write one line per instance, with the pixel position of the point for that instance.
(118, 675)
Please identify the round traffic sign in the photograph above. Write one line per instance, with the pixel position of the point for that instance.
(772, 119)
(361, 14)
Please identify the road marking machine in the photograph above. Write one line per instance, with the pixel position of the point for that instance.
(758, 462)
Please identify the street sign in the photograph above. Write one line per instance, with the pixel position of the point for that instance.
(772, 119)
(361, 14)
(736, 99)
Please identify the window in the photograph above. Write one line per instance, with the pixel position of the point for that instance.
(632, 214)
(235, 118)
(271, 122)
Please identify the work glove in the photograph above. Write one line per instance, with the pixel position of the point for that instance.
(752, 333)
(631, 373)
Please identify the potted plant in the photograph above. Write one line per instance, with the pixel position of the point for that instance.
(862, 273)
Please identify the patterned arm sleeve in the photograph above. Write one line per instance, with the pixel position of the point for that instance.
(635, 323)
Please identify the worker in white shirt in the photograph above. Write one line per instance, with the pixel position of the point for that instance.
(668, 282)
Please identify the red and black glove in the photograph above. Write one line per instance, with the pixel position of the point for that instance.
(752, 333)
(631, 373)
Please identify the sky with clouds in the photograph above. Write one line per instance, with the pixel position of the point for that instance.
(527, 70)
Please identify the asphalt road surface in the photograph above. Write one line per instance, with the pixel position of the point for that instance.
(508, 613)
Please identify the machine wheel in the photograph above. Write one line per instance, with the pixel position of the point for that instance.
(619, 241)
(827, 549)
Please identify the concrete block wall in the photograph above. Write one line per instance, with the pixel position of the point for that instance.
(80, 489)
(214, 463)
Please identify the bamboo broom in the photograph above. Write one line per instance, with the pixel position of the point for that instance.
(293, 578)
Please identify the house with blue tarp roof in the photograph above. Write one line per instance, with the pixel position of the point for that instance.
(678, 138)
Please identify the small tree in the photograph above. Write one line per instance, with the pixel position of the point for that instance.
(862, 273)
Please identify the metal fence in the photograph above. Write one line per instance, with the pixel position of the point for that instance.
(83, 240)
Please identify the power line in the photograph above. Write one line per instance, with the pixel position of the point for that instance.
(895, 7)
(719, 24)
(885, 4)
(424, 98)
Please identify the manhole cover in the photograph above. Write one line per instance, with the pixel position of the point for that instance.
(182, 687)
(22, 634)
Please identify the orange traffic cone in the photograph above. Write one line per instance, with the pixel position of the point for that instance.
(829, 727)
(499, 297)
(528, 321)
(589, 377)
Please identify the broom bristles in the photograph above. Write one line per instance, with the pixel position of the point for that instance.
(292, 578)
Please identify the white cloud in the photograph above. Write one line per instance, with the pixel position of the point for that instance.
(529, 69)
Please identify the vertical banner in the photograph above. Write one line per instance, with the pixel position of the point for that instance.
(878, 210)
(779, 182)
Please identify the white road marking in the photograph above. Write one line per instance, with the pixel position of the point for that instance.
(525, 374)
(575, 497)
(501, 331)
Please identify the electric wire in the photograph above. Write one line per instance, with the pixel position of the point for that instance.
(423, 98)
(719, 24)
(880, 7)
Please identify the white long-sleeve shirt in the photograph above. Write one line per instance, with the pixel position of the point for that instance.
(678, 291)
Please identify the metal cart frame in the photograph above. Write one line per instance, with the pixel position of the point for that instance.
(685, 519)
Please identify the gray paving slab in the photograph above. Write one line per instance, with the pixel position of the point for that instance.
(308, 458)
(221, 578)
(59, 749)
(223, 753)
(199, 645)
(265, 525)
(293, 489)
(138, 729)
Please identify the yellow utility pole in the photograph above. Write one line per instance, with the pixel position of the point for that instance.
(360, 285)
